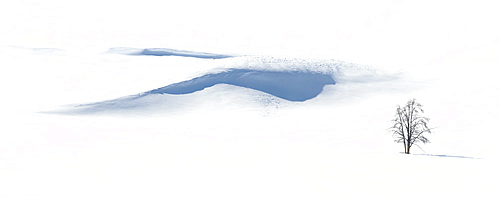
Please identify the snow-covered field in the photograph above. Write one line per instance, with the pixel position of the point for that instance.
(262, 100)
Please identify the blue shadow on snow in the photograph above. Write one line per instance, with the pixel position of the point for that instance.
(292, 86)
(180, 53)
(443, 155)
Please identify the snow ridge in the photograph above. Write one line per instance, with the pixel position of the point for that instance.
(167, 52)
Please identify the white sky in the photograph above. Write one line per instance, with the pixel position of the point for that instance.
(381, 32)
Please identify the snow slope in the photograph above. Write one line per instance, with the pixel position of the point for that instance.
(234, 140)
(82, 120)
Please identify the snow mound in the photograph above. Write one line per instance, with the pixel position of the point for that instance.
(167, 52)
(250, 83)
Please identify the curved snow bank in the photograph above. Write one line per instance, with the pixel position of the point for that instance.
(248, 82)
(237, 86)
(167, 52)
(292, 86)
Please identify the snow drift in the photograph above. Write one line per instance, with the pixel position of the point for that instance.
(294, 86)
(167, 52)
(252, 81)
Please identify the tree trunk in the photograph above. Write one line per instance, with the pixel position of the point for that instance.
(408, 145)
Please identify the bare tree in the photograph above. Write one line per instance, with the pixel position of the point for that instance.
(409, 126)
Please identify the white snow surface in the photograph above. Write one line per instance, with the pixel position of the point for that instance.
(246, 101)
